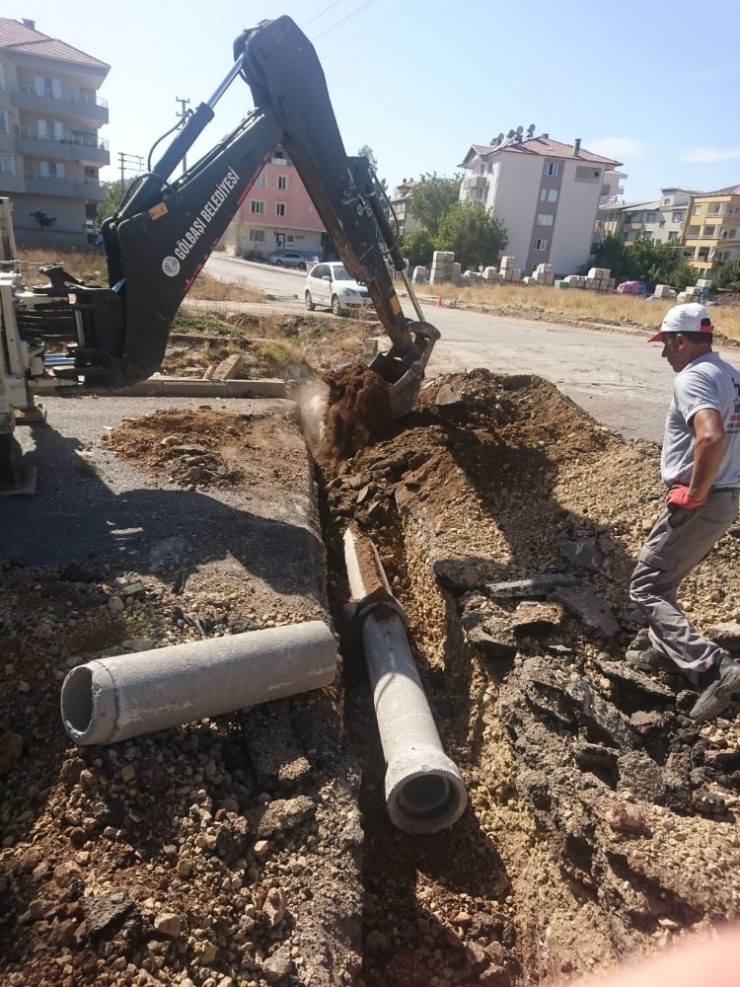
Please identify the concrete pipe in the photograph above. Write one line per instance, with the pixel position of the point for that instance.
(424, 790)
(113, 699)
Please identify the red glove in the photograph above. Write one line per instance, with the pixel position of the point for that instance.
(679, 496)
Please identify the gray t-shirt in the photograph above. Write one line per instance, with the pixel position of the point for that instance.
(706, 382)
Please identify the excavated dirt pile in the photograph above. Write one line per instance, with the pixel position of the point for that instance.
(602, 820)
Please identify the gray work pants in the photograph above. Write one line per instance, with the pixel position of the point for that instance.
(679, 541)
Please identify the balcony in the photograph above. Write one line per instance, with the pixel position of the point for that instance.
(475, 182)
(84, 107)
(88, 149)
(88, 189)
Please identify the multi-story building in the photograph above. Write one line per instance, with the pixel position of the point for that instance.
(661, 220)
(712, 232)
(544, 192)
(276, 213)
(50, 151)
(400, 201)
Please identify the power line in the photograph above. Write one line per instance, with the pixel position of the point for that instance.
(396, 37)
(344, 20)
(358, 37)
(320, 14)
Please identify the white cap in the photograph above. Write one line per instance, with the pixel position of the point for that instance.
(691, 317)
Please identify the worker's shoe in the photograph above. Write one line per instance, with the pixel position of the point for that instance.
(649, 660)
(725, 680)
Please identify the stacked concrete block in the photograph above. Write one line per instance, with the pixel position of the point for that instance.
(575, 281)
(598, 279)
(561, 283)
(508, 272)
(442, 264)
(420, 275)
(543, 274)
(704, 283)
(692, 293)
(456, 273)
(491, 275)
(664, 291)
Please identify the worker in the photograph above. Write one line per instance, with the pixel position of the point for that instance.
(700, 466)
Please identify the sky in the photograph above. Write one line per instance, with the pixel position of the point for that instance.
(653, 84)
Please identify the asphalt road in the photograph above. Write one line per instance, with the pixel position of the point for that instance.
(613, 374)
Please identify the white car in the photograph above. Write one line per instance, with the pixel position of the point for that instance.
(331, 286)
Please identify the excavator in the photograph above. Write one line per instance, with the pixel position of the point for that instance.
(165, 228)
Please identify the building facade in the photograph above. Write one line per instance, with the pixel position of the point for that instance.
(660, 220)
(276, 213)
(50, 151)
(544, 192)
(400, 201)
(712, 232)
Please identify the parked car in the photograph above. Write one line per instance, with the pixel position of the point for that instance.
(330, 285)
(287, 258)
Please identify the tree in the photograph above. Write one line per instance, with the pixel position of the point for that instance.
(475, 236)
(644, 260)
(611, 252)
(418, 246)
(432, 197)
(114, 192)
(367, 152)
(728, 276)
(43, 219)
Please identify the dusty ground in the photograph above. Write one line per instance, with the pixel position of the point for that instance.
(601, 822)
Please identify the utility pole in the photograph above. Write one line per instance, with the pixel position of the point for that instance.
(129, 161)
(183, 115)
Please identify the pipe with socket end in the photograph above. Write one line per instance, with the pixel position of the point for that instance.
(424, 790)
(113, 699)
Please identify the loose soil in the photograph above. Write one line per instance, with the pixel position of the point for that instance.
(250, 849)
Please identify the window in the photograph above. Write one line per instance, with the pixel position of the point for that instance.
(279, 208)
(541, 244)
(650, 217)
(715, 209)
(677, 216)
(544, 219)
(548, 195)
(587, 174)
(257, 208)
(260, 180)
(697, 211)
(46, 86)
(731, 234)
(52, 169)
(708, 231)
(282, 183)
(553, 168)
(256, 236)
(7, 164)
(672, 235)
(3, 122)
(693, 231)
(50, 130)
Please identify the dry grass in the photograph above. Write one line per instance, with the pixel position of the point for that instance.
(90, 266)
(573, 303)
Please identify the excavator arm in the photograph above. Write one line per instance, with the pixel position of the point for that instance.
(164, 231)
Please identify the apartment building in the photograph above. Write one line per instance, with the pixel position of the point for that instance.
(712, 232)
(50, 151)
(546, 194)
(276, 213)
(400, 201)
(661, 220)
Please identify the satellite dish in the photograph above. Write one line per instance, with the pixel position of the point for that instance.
(500, 136)
(510, 133)
(520, 130)
(530, 130)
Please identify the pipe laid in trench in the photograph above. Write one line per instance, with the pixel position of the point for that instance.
(424, 790)
(112, 699)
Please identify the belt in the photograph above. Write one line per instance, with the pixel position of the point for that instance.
(725, 489)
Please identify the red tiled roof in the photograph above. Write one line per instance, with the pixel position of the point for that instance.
(18, 37)
(545, 147)
(730, 190)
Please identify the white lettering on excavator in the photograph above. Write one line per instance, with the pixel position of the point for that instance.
(199, 225)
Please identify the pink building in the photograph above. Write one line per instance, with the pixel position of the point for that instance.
(277, 212)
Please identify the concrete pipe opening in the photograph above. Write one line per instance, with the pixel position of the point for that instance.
(78, 699)
(424, 799)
